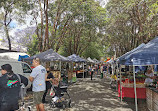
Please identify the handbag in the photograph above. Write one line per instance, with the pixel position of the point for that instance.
(52, 93)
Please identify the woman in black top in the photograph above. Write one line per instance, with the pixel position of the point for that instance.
(49, 77)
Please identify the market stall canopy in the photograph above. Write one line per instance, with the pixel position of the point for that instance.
(55, 57)
(111, 61)
(40, 55)
(148, 55)
(22, 57)
(126, 55)
(96, 61)
(76, 58)
(12, 55)
(107, 59)
(90, 60)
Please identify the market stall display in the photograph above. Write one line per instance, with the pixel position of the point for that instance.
(80, 66)
(145, 56)
(52, 59)
(128, 84)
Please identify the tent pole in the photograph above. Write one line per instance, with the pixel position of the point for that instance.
(135, 91)
(117, 77)
(83, 69)
(120, 84)
(60, 66)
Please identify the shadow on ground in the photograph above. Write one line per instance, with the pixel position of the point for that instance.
(95, 95)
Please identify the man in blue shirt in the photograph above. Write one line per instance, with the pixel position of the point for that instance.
(37, 77)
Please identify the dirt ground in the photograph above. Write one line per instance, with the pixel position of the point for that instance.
(95, 95)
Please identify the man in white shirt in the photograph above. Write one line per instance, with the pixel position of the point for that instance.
(37, 77)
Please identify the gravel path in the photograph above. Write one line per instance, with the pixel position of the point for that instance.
(95, 95)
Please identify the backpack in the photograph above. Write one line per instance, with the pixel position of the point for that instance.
(22, 92)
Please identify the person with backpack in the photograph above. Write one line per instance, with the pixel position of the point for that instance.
(10, 88)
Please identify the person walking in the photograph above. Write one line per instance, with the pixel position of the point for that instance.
(92, 71)
(38, 77)
(101, 71)
(10, 88)
(49, 78)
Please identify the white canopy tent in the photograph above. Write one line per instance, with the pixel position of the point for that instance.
(90, 60)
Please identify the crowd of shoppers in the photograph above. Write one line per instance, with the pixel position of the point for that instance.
(42, 80)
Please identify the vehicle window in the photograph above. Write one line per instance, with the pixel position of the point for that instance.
(26, 68)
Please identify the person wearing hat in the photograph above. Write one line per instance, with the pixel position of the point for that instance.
(10, 88)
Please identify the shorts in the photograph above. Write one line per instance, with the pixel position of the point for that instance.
(37, 97)
(8, 106)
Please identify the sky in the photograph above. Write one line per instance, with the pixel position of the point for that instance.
(103, 2)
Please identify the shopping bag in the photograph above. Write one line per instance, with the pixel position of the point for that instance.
(52, 93)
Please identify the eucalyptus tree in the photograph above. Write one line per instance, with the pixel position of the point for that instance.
(10, 10)
(75, 24)
(70, 22)
(130, 23)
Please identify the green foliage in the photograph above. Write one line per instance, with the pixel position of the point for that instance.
(33, 46)
(130, 23)
(75, 26)
(94, 50)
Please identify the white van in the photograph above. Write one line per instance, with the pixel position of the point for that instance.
(18, 67)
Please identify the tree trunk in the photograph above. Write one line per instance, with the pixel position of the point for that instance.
(6, 29)
(41, 38)
(46, 41)
(7, 35)
(53, 33)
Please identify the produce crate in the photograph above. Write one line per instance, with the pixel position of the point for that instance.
(74, 78)
(70, 74)
(155, 101)
(149, 99)
(127, 85)
(140, 85)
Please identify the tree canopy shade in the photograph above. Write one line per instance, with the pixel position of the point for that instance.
(66, 26)
(147, 55)
(76, 58)
(130, 23)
